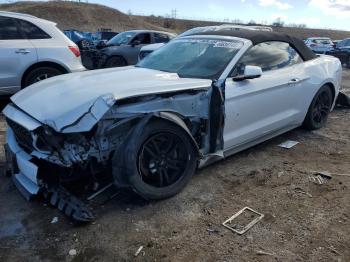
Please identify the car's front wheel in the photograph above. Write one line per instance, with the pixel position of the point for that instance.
(319, 109)
(115, 61)
(164, 160)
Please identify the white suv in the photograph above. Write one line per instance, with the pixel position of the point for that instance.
(33, 49)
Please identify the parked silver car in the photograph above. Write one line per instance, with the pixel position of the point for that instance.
(33, 49)
(147, 127)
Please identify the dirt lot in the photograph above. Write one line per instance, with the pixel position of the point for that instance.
(304, 221)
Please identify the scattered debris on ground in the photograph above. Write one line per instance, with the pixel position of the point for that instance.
(54, 220)
(288, 144)
(237, 227)
(138, 251)
(72, 252)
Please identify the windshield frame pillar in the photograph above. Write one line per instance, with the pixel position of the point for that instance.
(247, 44)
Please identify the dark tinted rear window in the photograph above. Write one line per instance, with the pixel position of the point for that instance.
(32, 31)
(8, 29)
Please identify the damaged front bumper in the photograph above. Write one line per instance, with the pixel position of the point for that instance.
(18, 162)
(19, 165)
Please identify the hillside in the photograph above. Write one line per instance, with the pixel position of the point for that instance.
(91, 17)
(182, 25)
(81, 16)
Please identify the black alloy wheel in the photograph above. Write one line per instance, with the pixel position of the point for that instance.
(163, 159)
(319, 109)
(160, 160)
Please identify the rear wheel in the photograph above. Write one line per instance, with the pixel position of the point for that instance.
(39, 74)
(319, 109)
(115, 61)
(165, 160)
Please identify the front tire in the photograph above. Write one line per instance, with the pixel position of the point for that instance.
(164, 161)
(319, 109)
(39, 74)
(115, 61)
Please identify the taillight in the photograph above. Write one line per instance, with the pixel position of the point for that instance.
(75, 50)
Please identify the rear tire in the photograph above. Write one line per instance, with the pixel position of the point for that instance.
(319, 109)
(115, 61)
(163, 160)
(39, 74)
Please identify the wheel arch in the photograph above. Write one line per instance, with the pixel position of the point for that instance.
(42, 64)
(332, 87)
(175, 119)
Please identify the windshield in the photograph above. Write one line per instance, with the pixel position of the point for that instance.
(323, 41)
(122, 38)
(193, 57)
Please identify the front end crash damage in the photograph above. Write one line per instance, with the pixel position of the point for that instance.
(86, 154)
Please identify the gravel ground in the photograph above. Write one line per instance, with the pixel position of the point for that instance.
(304, 221)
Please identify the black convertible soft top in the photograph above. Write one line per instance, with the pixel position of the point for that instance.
(258, 37)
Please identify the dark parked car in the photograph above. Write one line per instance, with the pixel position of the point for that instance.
(342, 51)
(82, 39)
(102, 37)
(124, 48)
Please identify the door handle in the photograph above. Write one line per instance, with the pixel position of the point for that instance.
(293, 81)
(22, 51)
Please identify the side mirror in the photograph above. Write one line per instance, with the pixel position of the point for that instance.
(250, 72)
(135, 43)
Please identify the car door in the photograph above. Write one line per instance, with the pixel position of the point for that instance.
(16, 55)
(262, 106)
(139, 41)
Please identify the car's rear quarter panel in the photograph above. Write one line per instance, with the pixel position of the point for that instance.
(317, 73)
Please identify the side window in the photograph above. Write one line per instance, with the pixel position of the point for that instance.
(270, 56)
(161, 38)
(32, 31)
(144, 38)
(8, 29)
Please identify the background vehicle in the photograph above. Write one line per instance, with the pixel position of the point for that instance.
(82, 39)
(102, 37)
(146, 50)
(148, 126)
(33, 49)
(124, 48)
(342, 51)
(319, 45)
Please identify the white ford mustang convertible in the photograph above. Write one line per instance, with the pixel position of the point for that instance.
(147, 127)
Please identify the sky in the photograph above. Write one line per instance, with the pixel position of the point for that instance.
(334, 14)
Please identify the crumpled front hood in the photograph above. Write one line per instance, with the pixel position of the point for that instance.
(63, 100)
